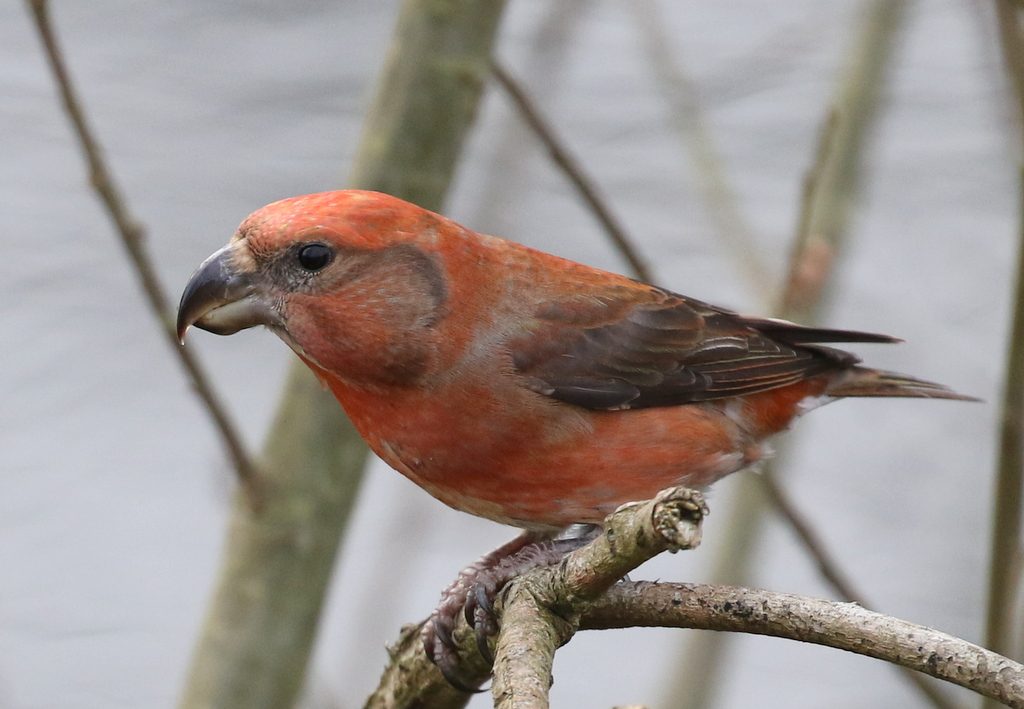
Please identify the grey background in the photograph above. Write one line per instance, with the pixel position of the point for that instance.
(114, 490)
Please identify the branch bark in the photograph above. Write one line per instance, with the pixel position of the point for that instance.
(542, 609)
(411, 681)
(845, 626)
(262, 622)
(539, 610)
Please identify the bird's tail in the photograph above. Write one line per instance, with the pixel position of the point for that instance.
(862, 381)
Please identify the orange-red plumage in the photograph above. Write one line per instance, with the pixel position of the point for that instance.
(508, 382)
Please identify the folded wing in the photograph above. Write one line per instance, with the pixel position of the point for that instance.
(647, 347)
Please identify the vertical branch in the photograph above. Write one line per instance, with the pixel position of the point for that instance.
(133, 238)
(1006, 528)
(262, 622)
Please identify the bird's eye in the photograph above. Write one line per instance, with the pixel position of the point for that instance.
(313, 257)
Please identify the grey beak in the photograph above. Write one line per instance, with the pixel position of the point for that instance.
(221, 298)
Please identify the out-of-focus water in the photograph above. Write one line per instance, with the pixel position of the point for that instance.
(114, 489)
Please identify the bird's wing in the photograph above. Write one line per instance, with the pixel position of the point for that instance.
(648, 347)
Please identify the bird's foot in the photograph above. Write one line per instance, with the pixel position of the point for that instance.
(474, 592)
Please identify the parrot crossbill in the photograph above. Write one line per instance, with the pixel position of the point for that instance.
(510, 383)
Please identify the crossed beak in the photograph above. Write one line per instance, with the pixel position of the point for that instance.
(222, 297)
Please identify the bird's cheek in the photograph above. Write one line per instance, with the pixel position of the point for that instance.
(313, 336)
(358, 344)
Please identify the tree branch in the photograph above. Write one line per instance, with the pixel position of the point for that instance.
(543, 608)
(845, 626)
(721, 203)
(572, 169)
(411, 681)
(538, 610)
(133, 238)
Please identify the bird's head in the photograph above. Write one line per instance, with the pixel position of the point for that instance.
(351, 280)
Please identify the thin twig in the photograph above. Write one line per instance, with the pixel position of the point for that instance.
(721, 202)
(1006, 529)
(573, 170)
(815, 548)
(133, 238)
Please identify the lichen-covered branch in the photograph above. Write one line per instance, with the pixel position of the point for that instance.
(542, 609)
(845, 626)
(410, 680)
(633, 534)
(539, 609)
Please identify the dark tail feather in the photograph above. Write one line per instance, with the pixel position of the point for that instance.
(861, 381)
(793, 334)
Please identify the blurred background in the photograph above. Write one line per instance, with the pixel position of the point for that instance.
(698, 122)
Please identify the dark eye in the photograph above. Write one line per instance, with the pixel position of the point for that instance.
(313, 257)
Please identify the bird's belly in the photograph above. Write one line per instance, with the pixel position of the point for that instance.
(557, 465)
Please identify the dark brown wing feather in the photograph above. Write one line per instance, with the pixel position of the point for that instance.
(666, 350)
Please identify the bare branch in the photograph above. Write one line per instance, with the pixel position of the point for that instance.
(573, 170)
(815, 548)
(833, 573)
(133, 238)
(411, 680)
(721, 202)
(542, 609)
(538, 610)
(845, 626)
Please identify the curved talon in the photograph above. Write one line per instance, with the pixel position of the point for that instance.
(440, 649)
(469, 608)
(448, 672)
(484, 596)
(428, 647)
(484, 631)
(481, 598)
(443, 630)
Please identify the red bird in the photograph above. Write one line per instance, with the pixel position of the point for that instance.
(510, 383)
